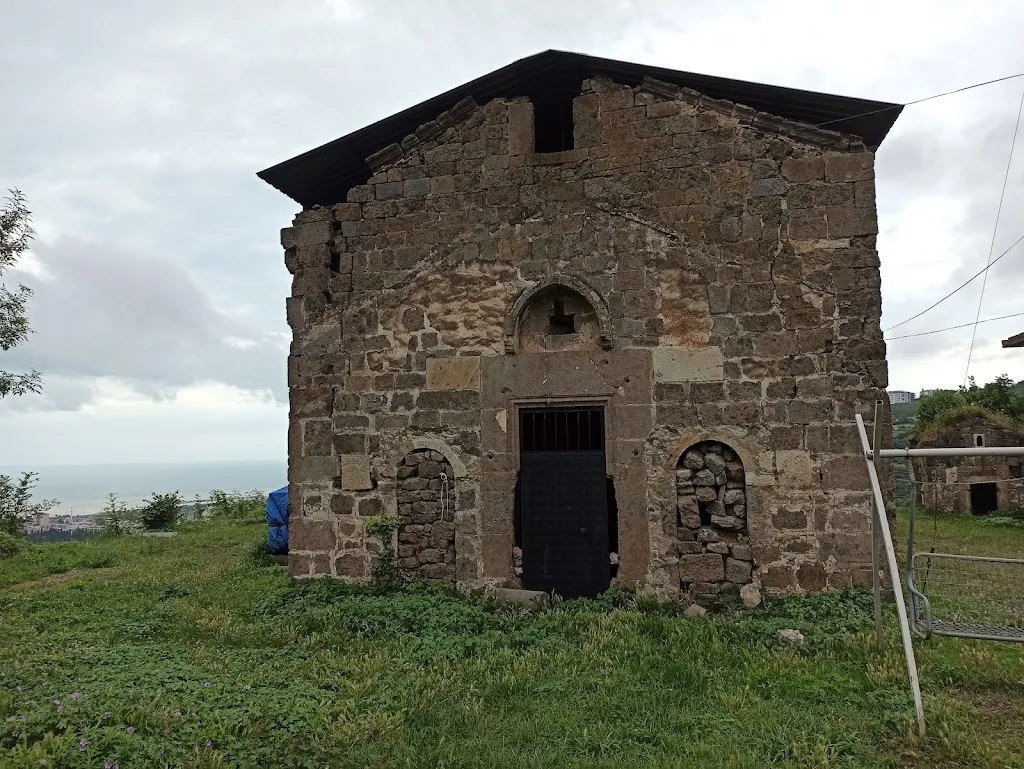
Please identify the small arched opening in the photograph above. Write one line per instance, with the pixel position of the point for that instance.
(711, 518)
(562, 313)
(558, 318)
(425, 487)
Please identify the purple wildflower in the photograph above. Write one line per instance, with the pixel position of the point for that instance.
(206, 683)
(247, 687)
(23, 720)
(42, 762)
(56, 702)
(16, 732)
(209, 743)
(18, 688)
(131, 730)
(60, 708)
(107, 765)
(107, 714)
(167, 730)
(83, 745)
(160, 753)
(76, 696)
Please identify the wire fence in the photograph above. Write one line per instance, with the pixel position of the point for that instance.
(972, 594)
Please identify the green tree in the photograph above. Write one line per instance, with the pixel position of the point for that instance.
(113, 519)
(997, 397)
(17, 510)
(15, 235)
(161, 512)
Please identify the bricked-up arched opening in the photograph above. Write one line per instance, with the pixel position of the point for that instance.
(426, 505)
(558, 318)
(711, 517)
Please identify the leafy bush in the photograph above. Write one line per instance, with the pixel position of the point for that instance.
(161, 512)
(17, 509)
(997, 400)
(385, 565)
(259, 552)
(249, 505)
(11, 545)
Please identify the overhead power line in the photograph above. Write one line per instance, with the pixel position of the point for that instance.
(951, 328)
(918, 101)
(668, 158)
(962, 285)
(992, 244)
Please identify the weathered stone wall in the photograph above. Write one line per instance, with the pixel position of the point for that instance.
(729, 258)
(944, 485)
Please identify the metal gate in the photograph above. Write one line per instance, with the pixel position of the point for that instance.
(564, 500)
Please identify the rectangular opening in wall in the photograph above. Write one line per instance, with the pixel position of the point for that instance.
(552, 121)
(984, 498)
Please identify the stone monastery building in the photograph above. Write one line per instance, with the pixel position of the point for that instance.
(582, 323)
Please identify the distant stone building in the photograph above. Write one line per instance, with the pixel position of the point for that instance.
(580, 323)
(901, 396)
(966, 485)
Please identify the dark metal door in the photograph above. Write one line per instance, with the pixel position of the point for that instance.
(564, 513)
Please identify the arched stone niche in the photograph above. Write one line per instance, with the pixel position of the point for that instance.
(711, 517)
(425, 491)
(561, 313)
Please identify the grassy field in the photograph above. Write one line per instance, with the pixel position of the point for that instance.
(190, 651)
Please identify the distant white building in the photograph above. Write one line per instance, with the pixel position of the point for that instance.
(901, 396)
(926, 393)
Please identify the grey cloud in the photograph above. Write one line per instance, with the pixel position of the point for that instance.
(104, 312)
(140, 126)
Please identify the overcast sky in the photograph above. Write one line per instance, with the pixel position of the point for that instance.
(136, 128)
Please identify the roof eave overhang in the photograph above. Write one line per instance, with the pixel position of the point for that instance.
(323, 175)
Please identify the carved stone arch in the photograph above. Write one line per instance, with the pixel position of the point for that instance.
(434, 444)
(559, 280)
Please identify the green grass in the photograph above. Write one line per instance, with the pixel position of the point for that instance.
(192, 639)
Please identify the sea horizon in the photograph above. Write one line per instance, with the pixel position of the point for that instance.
(82, 489)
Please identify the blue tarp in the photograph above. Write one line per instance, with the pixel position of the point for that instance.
(277, 520)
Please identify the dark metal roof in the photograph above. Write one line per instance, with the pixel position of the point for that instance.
(1017, 340)
(325, 174)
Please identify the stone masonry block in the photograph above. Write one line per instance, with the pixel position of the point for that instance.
(846, 222)
(793, 468)
(520, 127)
(704, 567)
(312, 469)
(805, 168)
(678, 364)
(310, 234)
(849, 166)
(306, 534)
(355, 472)
(453, 373)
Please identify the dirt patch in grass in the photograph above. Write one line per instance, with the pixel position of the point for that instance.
(66, 576)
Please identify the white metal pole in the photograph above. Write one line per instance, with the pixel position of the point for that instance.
(876, 581)
(971, 451)
(890, 554)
